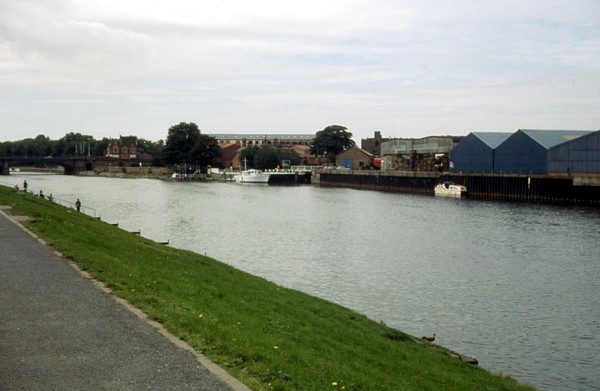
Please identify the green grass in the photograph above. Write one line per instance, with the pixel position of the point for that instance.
(270, 337)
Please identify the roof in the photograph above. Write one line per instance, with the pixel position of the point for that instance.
(583, 137)
(492, 139)
(228, 145)
(369, 154)
(550, 138)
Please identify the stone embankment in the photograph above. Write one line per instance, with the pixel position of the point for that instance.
(131, 172)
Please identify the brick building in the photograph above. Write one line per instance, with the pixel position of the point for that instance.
(354, 158)
(274, 140)
(125, 148)
(373, 144)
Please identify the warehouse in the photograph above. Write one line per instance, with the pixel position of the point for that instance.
(578, 157)
(526, 151)
(475, 153)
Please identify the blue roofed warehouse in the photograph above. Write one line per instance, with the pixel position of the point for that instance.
(578, 157)
(475, 153)
(526, 151)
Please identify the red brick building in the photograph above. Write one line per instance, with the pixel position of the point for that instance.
(355, 158)
(125, 148)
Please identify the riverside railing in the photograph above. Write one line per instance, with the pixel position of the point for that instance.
(71, 204)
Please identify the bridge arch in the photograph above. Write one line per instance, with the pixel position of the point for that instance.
(72, 165)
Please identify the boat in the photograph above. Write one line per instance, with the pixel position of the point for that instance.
(450, 189)
(252, 176)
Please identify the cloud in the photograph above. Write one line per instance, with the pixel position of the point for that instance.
(233, 65)
(48, 45)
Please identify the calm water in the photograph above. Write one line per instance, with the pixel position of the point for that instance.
(516, 286)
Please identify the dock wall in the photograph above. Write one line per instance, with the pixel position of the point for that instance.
(292, 178)
(479, 186)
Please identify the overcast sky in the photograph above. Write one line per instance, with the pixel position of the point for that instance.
(406, 68)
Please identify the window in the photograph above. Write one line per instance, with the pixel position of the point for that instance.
(124, 150)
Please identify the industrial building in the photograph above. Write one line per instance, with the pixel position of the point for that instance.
(475, 153)
(578, 158)
(274, 140)
(373, 144)
(526, 151)
(424, 154)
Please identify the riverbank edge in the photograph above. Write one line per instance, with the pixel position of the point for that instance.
(32, 219)
(213, 368)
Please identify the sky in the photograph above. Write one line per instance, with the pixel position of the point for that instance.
(405, 68)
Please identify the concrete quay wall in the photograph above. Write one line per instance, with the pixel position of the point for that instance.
(532, 188)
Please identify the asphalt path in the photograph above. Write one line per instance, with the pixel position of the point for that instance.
(60, 331)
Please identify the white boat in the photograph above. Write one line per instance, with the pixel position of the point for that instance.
(252, 176)
(450, 189)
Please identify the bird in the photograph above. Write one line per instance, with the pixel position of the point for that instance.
(429, 339)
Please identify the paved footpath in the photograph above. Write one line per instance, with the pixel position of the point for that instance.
(59, 331)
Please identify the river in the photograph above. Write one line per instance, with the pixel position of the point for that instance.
(516, 286)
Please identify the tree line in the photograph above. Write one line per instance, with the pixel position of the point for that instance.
(185, 144)
(70, 145)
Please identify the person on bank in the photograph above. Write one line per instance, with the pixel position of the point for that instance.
(25, 185)
(78, 205)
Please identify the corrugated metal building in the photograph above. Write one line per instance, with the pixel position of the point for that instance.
(526, 151)
(475, 153)
(579, 157)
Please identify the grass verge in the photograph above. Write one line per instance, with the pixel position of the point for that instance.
(270, 337)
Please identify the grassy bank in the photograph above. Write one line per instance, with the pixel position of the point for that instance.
(272, 338)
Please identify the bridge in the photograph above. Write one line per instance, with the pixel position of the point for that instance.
(73, 165)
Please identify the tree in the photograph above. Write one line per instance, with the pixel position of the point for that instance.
(289, 154)
(247, 155)
(206, 150)
(185, 144)
(331, 141)
(42, 145)
(74, 143)
(154, 149)
(99, 147)
(180, 141)
(266, 158)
